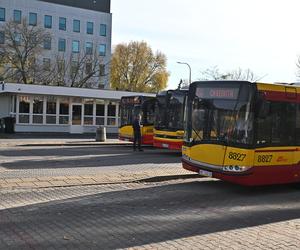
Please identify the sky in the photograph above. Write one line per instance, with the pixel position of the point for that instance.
(262, 35)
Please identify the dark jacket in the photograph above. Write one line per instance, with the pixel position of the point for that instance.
(136, 126)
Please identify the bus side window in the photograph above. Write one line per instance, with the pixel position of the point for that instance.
(297, 128)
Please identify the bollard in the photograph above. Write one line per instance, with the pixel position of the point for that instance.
(101, 134)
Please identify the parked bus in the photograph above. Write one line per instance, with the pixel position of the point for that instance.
(242, 132)
(168, 124)
(131, 106)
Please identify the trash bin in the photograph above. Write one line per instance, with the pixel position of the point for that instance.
(101, 134)
(9, 125)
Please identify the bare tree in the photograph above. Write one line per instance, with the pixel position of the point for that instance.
(78, 70)
(23, 44)
(213, 73)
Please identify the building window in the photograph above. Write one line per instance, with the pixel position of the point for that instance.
(62, 23)
(47, 43)
(90, 28)
(76, 26)
(32, 19)
(2, 37)
(88, 68)
(100, 112)
(74, 67)
(46, 64)
(111, 114)
(48, 22)
(38, 103)
(102, 50)
(89, 48)
(88, 112)
(75, 46)
(102, 29)
(2, 14)
(101, 70)
(64, 111)
(24, 107)
(17, 39)
(17, 16)
(51, 110)
(62, 44)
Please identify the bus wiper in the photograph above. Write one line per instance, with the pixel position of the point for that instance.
(197, 135)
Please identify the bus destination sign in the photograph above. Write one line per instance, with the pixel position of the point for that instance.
(217, 93)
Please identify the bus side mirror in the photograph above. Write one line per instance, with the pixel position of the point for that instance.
(263, 108)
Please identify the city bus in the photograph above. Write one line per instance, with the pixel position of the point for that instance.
(168, 124)
(131, 106)
(243, 132)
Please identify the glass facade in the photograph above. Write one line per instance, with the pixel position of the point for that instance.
(17, 16)
(63, 23)
(53, 110)
(32, 19)
(48, 22)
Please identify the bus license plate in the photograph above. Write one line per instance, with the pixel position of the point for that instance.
(205, 173)
(165, 145)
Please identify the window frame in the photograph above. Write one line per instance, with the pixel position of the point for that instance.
(78, 46)
(32, 14)
(62, 25)
(61, 41)
(103, 29)
(74, 25)
(46, 24)
(90, 30)
(17, 16)
(2, 17)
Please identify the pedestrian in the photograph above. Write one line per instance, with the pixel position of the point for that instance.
(137, 133)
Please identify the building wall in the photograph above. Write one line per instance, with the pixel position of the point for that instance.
(43, 8)
(5, 105)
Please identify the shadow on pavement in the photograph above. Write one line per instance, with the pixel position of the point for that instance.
(72, 157)
(130, 218)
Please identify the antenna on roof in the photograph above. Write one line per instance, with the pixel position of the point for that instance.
(258, 79)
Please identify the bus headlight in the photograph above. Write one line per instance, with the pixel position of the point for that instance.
(235, 168)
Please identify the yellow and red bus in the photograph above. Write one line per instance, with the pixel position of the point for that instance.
(243, 132)
(131, 106)
(168, 124)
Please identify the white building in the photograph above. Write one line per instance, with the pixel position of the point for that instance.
(77, 27)
(39, 108)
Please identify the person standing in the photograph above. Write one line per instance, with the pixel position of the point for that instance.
(137, 133)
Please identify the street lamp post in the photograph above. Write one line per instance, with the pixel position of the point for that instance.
(190, 75)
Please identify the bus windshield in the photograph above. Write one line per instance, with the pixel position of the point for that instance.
(133, 106)
(221, 113)
(170, 111)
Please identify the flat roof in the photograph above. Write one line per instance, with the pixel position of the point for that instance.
(97, 5)
(30, 89)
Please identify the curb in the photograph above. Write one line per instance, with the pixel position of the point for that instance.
(72, 144)
(141, 180)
